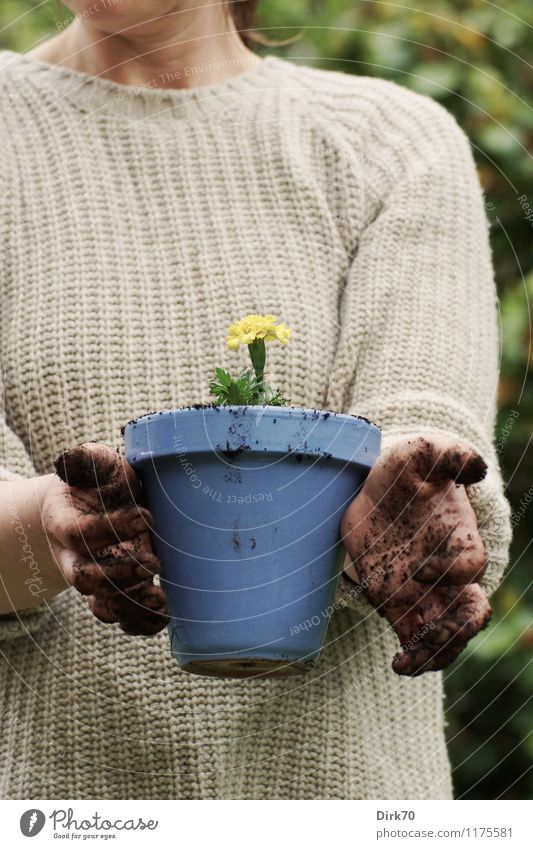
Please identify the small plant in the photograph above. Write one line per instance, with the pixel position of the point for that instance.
(249, 387)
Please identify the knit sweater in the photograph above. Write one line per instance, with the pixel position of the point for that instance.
(137, 224)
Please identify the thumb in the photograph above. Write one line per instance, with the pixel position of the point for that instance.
(445, 460)
(95, 465)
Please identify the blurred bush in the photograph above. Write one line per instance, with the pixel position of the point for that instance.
(472, 56)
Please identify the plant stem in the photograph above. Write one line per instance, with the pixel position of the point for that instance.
(257, 351)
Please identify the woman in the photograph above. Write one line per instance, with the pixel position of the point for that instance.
(162, 181)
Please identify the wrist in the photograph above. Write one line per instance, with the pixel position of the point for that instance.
(29, 571)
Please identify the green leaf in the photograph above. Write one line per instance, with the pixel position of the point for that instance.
(224, 377)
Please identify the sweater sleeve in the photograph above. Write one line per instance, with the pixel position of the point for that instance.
(419, 331)
(16, 463)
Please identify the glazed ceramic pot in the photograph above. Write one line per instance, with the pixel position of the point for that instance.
(247, 503)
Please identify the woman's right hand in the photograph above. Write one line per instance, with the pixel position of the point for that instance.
(99, 536)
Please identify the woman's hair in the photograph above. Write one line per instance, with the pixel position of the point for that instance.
(243, 14)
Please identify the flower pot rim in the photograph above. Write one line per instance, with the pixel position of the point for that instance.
(228, 431)
(233, 408)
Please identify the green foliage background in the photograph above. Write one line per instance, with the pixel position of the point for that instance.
(472, 56)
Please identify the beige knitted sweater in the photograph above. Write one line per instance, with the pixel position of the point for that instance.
(136, 225)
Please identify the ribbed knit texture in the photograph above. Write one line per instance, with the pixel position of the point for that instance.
(136, 225)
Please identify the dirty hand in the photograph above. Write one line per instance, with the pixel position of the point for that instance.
(99, 536)
(416, 549)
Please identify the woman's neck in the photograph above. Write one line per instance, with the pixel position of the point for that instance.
(180, 50)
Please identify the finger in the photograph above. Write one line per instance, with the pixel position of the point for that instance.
(137, 552)
(457, 461)
(405, 621)
(105, 575)
(445, 638)
(151, 624)
(142, 610)
(93, 531)
(444, 642)
(143, 598)
(118, 566)
(467, 566)
(154, 615)
(465, 612)
(454, 553)
(93, 465)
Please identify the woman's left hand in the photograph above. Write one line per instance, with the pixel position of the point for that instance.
(416, 549)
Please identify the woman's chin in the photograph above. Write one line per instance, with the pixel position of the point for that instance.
(110, 15)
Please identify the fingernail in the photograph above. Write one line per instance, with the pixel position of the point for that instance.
(140, 525)
(442, 636)
(428, 573)
(445, 631)
(148, 595)
(147, 515)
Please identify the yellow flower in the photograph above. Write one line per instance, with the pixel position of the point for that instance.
(283, 333)
(253, 327)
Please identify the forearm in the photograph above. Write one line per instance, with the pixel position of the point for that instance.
(428, 355)
(29, 573)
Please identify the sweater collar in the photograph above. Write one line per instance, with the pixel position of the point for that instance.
(101, 96)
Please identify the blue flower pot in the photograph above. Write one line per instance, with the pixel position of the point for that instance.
(247, 503)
